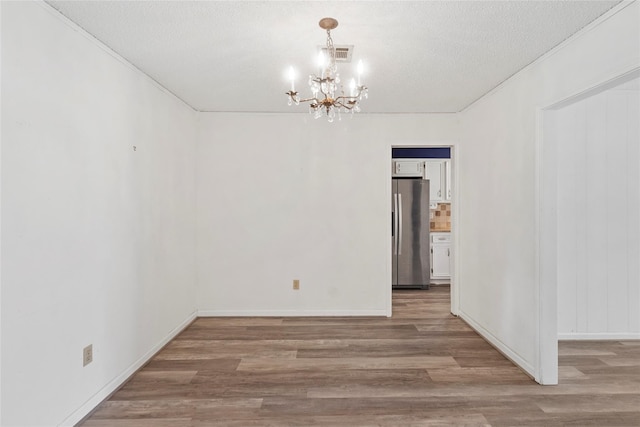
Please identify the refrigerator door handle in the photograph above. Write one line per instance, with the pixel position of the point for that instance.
(395, 223)
(399, 223)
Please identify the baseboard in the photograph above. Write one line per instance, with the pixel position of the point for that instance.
(598, 336)
(499, 345)
(114, 384)
(292, 313)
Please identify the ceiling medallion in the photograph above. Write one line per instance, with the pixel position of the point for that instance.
(327, 90)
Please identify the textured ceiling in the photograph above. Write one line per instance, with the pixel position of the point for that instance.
(420, 56)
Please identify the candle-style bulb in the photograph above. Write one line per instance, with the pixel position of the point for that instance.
(321, 60)
(292, 77)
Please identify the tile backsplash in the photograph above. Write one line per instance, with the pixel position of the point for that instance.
(440, 217)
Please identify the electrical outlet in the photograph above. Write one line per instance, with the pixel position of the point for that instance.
(87, 355)
(296, 284)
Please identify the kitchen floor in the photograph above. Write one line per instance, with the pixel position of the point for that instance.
(422, 367)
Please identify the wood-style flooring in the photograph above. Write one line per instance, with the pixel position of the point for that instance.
(422, 367)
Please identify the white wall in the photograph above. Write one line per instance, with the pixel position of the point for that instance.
(0, 225)
(284, 196)
(97, 239)
(98, 242)
(598, 143)
(499, 280)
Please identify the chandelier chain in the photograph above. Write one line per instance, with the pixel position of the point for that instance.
(331, 51)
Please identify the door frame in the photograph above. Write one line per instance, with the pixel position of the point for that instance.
(455, 231)
(546, 225)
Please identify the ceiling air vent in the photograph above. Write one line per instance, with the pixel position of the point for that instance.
(343, 52)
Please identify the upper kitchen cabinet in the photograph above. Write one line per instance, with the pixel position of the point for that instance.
(408, 168)
(447, 180)
(438, 172)
(432, 163)
(434, 172)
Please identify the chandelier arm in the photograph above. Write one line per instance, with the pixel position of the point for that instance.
(347, 98)
(294, 97)
(356, 96)
(316, 100)
(352, 101)
(341, 105)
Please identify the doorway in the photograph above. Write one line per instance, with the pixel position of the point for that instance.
(590, 219)
(436, 165)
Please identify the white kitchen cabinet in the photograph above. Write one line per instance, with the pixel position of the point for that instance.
(434, 172)
(447, 180)
(438, 172)
(440, 269)
(440, 256)
(408, 168)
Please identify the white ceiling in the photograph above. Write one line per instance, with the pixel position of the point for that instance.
(420, 56)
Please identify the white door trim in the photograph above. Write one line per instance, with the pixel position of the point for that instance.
(546, 370)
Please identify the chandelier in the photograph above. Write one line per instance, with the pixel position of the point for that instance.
(328, 94)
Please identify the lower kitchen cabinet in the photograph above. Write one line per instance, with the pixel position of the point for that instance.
(440, 256)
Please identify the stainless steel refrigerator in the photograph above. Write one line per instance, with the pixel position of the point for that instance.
(410, 233)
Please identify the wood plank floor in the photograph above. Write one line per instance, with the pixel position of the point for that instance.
(423, 367)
